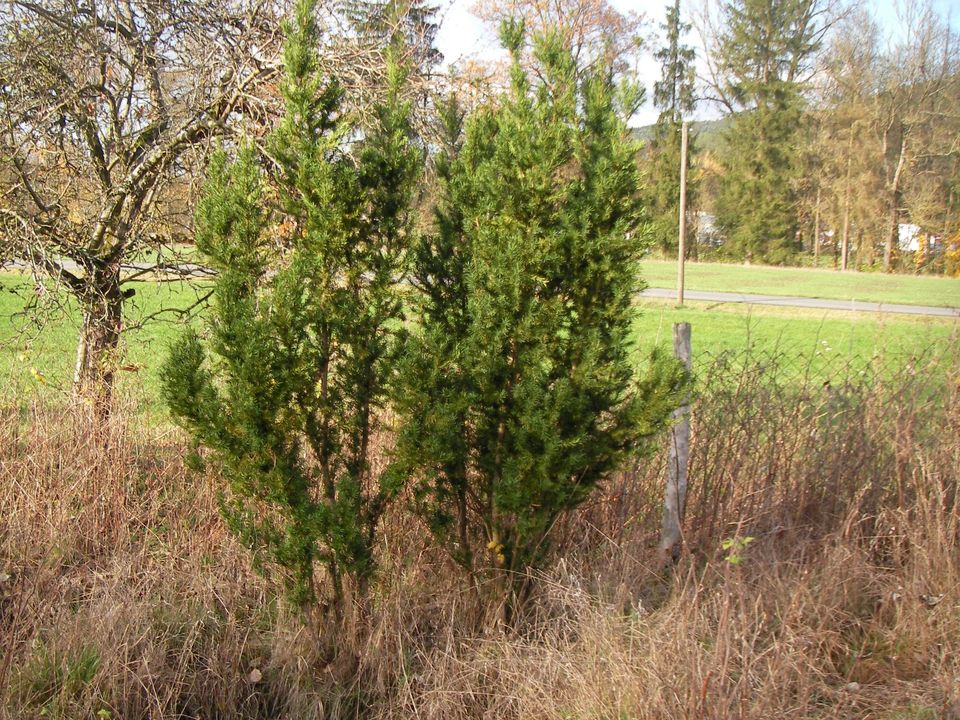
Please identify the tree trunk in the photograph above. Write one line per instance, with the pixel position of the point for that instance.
(93, 376)
(845, 246)
(895, 193)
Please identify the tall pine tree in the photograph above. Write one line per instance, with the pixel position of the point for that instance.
(284, 386)
(673, 95)
(765, 48)
(520, 390)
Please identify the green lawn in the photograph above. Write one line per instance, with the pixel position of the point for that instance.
(807, 282)
(40, 359)
(819, 340)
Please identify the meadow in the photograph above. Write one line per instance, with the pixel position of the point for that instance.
(878, 287)
(38, 357)
(498, 521)
(37, 350)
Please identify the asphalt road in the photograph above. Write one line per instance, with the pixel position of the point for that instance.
(801, 302)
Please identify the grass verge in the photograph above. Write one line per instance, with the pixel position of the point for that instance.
(813, 342)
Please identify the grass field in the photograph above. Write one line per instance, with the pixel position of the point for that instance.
(41, 359)
(818, 580)
(795, 332)
(807, 282)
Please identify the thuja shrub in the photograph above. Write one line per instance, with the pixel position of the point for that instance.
(520, 388)
(283, 386)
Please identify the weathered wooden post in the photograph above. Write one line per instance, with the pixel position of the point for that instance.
(678, 457)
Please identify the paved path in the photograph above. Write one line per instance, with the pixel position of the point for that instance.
(801, 302)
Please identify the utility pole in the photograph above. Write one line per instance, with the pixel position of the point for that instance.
(816, 231)
(845, 238)
(682, 245)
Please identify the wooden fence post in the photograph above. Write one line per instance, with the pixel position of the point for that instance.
(678, 457)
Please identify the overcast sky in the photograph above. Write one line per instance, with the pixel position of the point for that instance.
(463, 35)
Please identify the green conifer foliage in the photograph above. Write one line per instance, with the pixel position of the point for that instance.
(520, 387)
(757, 203)
(284, 385)
(673, 95)
(765, 51)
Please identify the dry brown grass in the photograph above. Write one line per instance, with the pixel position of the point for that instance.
(122, 595)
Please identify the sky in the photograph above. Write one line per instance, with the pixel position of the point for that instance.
(463, 35)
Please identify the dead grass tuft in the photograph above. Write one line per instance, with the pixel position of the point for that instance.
(123, 596)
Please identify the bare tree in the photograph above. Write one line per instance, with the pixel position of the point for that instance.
(593, 30)
(917, 91)
(893, 128)
(848, 187)
(101, 104)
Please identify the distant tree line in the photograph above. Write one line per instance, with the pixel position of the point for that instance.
(839, 138)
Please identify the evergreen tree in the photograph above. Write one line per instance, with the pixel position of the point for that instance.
(756, 206)
(520, 391)
(285, 385)
(673, 95)
(764, 50)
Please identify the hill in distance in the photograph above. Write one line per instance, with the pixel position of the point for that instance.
(708, 133)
